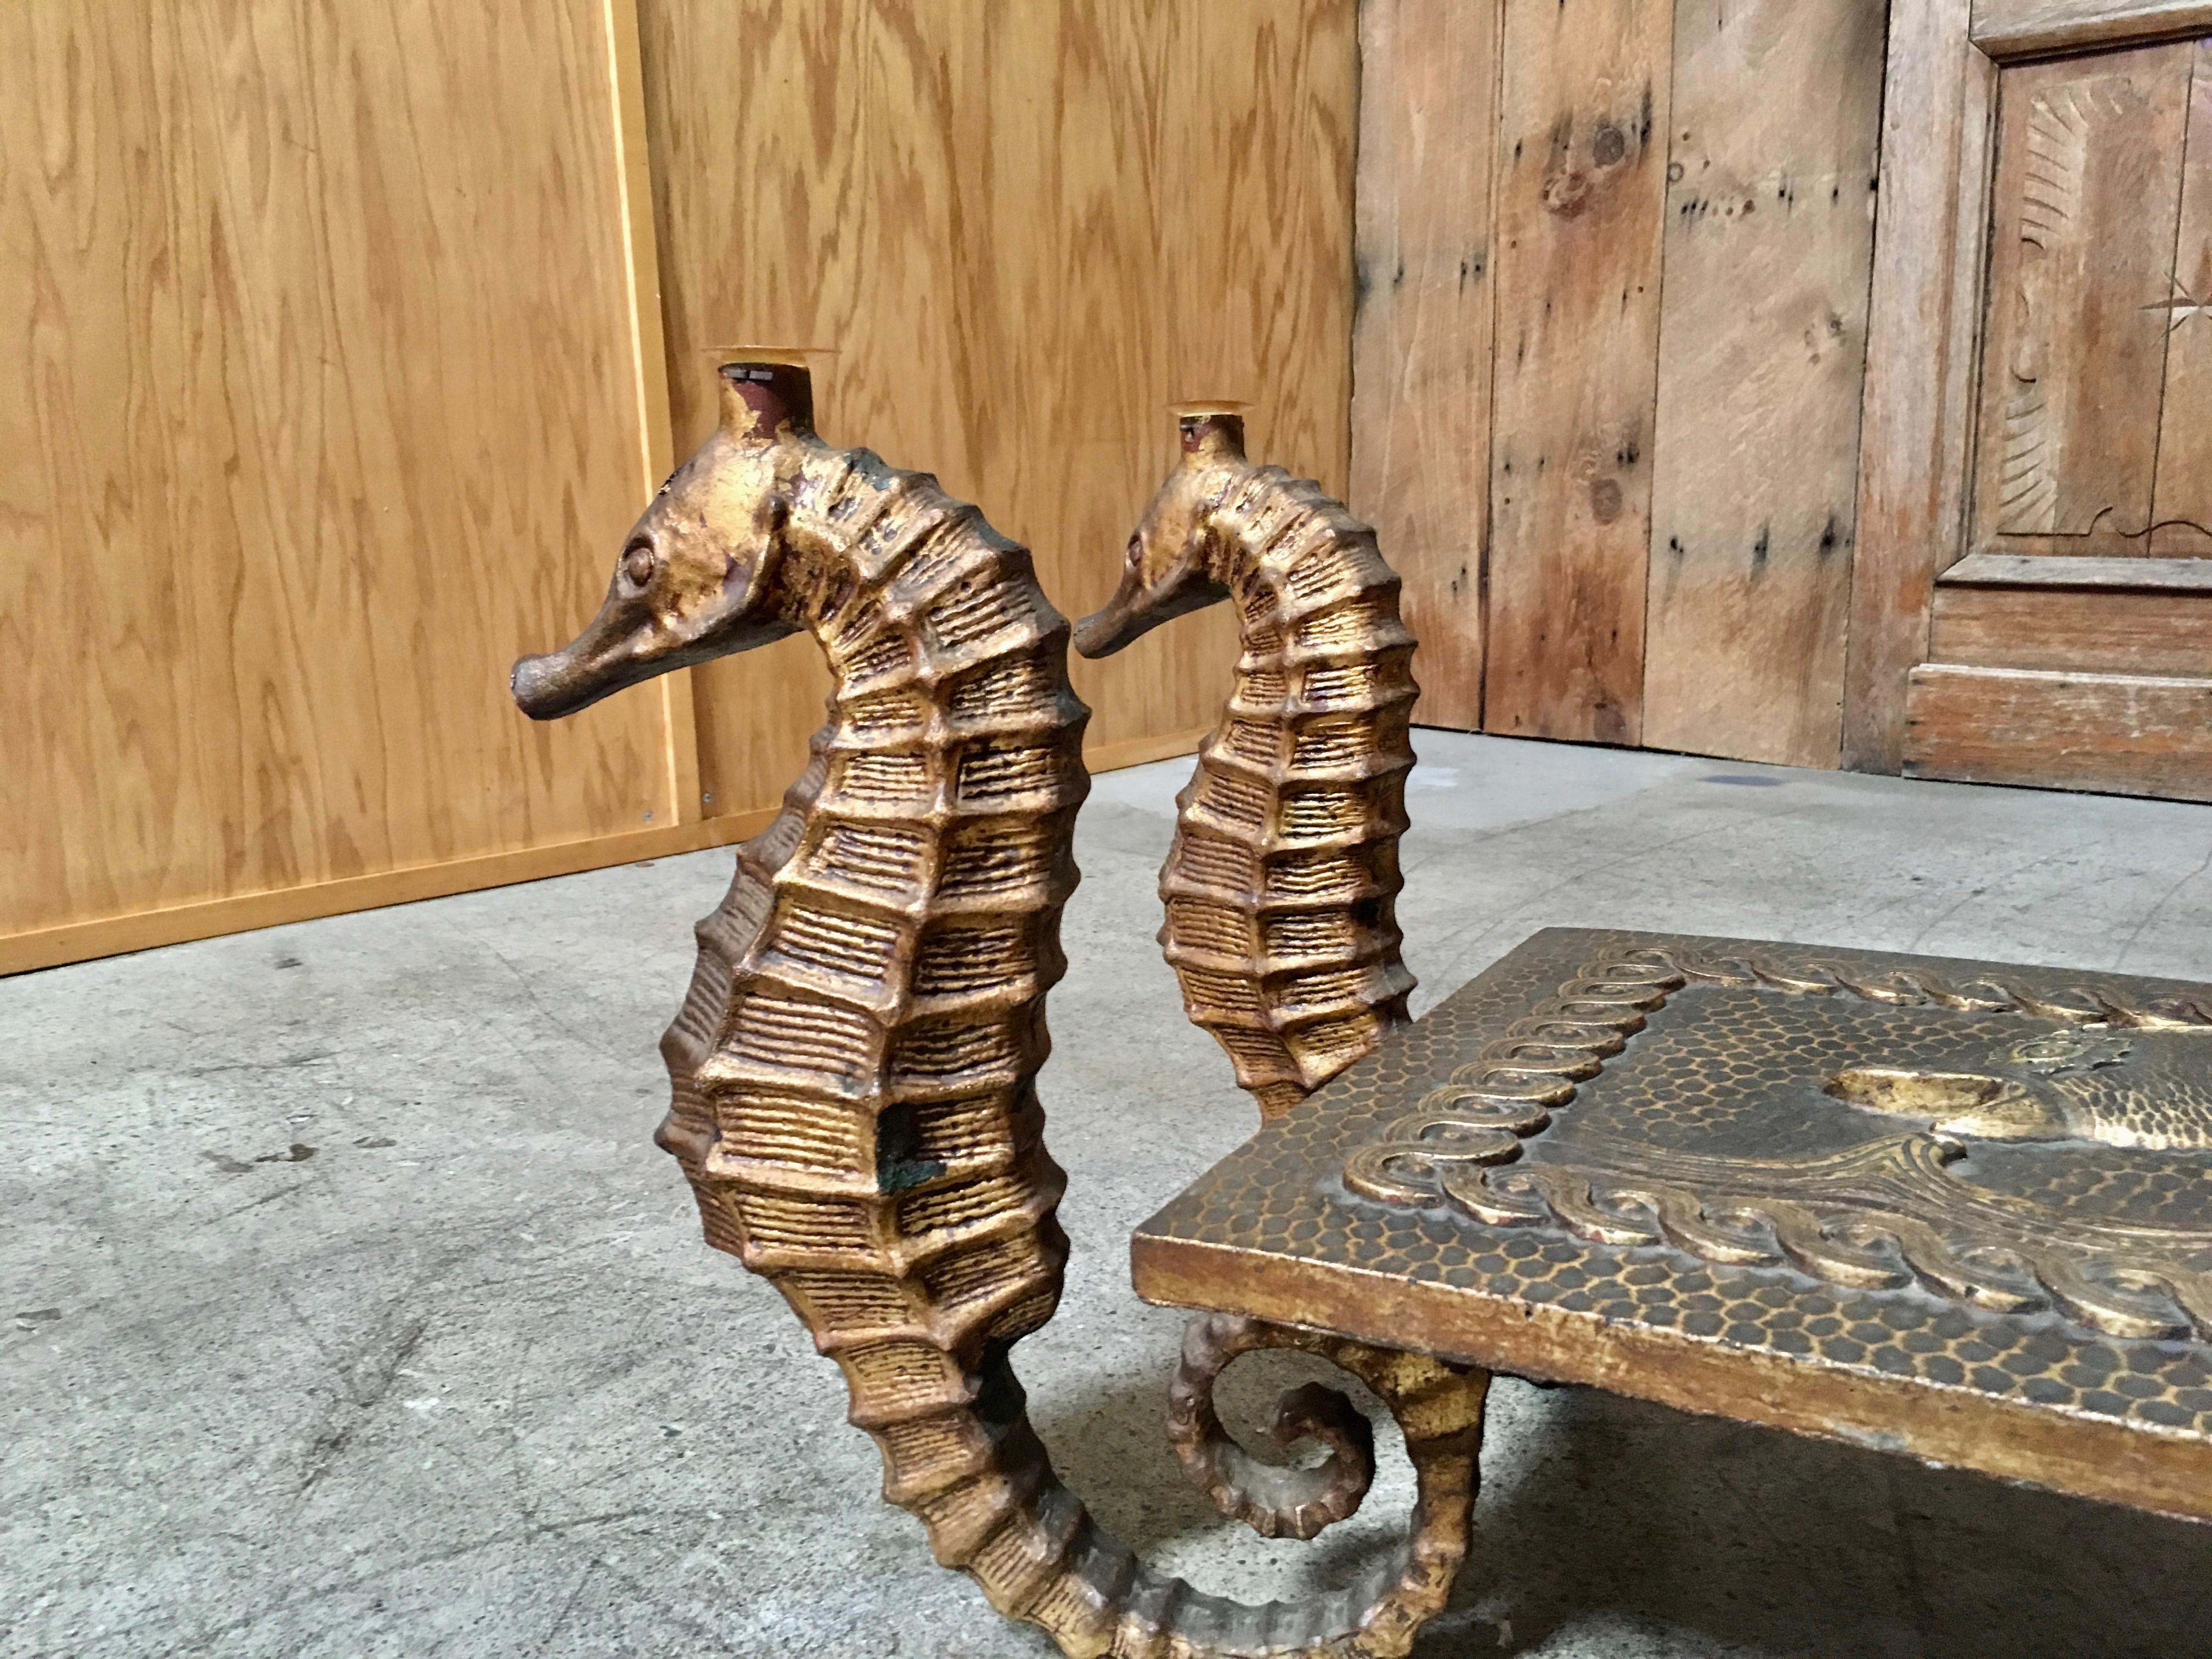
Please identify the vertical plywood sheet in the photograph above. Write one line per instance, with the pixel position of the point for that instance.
(2086, 202)
(1770, 233)
(1023, 231)
(1581, 181)
(320, 407)
(1421, 336)
(2182, 505)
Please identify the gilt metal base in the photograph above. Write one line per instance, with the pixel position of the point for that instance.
(1960, 1209)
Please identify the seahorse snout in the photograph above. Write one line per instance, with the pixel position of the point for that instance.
(559, 683)
(533, 684)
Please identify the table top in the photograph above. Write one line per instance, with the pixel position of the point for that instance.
(1961, 1210)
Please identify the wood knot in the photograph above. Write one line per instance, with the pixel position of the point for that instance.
(1566, 193)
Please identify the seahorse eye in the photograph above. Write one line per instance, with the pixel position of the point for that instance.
(637, 564)
(1136, 551)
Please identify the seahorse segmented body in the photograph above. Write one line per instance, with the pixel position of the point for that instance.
(1281, 886)
(854, 1067)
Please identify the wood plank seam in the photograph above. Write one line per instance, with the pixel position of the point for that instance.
(1917, 422)
(649, 355)
(1489, 456)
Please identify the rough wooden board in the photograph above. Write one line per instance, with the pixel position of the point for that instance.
(321, 408)
(2015, 570)
(2017, 28)
(2088, 193)
(1024, 231)
(2085, 630)
(1762, 350)
(1582, 184)
(1421, 335)
(2183, 507)
(2120, 734)
(1920, 332)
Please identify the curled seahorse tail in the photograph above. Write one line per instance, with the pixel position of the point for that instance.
(854, 1074)
(924, 1332)
(983, 1486)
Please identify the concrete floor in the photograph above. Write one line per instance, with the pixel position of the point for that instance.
(355, 1315)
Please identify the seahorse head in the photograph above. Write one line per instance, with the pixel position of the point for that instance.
(1178, 560)
(700, 575)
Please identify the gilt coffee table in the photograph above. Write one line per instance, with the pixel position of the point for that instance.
(1959, 1210)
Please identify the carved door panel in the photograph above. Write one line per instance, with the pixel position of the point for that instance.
(2068, 604)
(2090, 310)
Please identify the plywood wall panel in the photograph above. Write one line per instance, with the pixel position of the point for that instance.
(1581, 181)
(319, 407)
(1023, 231)
(1770, 234)
(1421, 336)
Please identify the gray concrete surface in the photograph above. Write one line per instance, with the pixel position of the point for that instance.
(354, 1314)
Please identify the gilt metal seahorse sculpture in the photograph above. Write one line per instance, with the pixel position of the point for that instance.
(1281, 886)
(854, 1069)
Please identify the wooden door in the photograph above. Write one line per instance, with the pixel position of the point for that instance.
(1612, 266)
(2034, 600)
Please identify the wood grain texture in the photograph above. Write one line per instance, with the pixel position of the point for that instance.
(2182, 508)
(649, 350)
(321, 408)
(2085, 630)
(2084, 210)
(1023, 231)
(1422, 333)
(1921, 326)
(2020, 28)
(1582, 184)
(2014, 570)
(1762, 352)
(144, 930)
(2120, 734)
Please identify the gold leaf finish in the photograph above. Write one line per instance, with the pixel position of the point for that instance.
(1960, 1209)
(854, 1068)
(1282, 885)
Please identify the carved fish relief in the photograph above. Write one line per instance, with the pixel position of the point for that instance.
(2072, 1085)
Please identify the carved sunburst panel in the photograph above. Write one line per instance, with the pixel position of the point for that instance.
(2095, 418)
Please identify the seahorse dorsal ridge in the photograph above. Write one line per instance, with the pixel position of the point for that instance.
(1281, 886)
(854, 1070)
